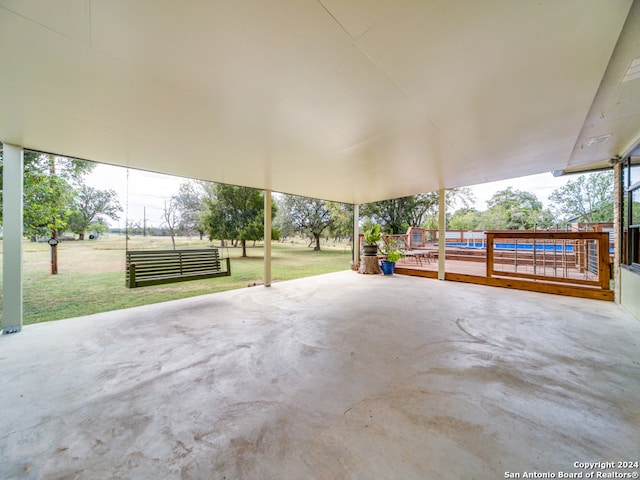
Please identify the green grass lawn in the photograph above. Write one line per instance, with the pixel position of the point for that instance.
(91, 276)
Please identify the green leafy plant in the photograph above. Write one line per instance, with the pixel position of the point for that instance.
(372, 236)
(394, 256)
(392, 251)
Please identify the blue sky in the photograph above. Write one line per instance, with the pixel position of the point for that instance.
(150, 190)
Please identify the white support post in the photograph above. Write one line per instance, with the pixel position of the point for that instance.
(355, 253)
(442, 232)
(267, 238)
(13, 159)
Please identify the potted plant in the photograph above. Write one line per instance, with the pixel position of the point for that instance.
(371, 238)
(392, 255)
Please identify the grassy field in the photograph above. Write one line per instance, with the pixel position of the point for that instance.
(91, 276)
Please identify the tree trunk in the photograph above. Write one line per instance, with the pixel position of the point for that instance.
(317, 239)
(369, 265)
(81, 236)
(54, 232)
(54, 254)
(244, 247)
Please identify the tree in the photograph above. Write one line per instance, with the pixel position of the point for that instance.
(452, 198)
(47, 205)
(310, 216)
(342, 225)
(171, 218)
(191, 206)
(48, 190)
(464, 219)
(235, 213)
(134, 227)
(90, 207)
(48, 194)
(588, 199)
(99, 226)
(511, 209)
(393, 215)
(398, 214)
(419, 208)
(283, 221)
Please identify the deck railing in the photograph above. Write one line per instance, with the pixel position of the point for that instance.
(557, 261)
(581, 259)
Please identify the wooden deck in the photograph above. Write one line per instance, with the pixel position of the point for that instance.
(546, 279)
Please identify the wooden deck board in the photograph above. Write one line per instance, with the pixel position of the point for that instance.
(479, 268)
(475, 272)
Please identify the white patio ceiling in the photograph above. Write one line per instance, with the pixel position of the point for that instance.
(349, 100)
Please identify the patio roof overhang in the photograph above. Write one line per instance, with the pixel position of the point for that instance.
(347, 101)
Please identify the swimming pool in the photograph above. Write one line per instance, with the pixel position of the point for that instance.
(527, 247)
(523, 247)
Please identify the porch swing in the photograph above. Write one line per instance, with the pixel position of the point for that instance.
(157, 267)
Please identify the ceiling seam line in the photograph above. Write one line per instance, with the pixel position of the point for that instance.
(335, 19)
(355, 42)
(32, 21)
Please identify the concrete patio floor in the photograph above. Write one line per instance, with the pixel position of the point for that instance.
(340, 376)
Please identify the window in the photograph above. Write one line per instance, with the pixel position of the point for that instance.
(631, 221)
(634, 203)
(634, 174)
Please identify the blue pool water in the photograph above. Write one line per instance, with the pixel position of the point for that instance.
(523, 247)
(527, 247)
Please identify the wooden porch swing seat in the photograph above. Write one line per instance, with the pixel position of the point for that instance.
(156, 267)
